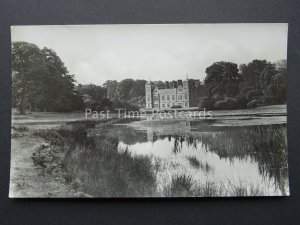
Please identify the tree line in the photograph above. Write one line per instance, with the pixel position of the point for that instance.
(257, 83)
(41, 82)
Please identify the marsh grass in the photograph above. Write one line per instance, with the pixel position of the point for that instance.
(185, 186)
(100, 170)
(266, 145)
(227, 189)
(181, 186)
(106, 172)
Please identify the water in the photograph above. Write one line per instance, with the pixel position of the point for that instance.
(253, 158)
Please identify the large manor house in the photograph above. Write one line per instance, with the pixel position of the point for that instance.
(174, 94)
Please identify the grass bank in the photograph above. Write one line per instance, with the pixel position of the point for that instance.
(185, 186)
(98, 170)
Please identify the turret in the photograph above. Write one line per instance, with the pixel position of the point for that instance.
(148, 91)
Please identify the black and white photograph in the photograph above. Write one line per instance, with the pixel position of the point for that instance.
(149, 110)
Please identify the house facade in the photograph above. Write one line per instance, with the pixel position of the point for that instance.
(175, 94)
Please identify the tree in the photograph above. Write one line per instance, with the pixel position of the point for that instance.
(41, 80)
(222, 72)
(111, 88)
(219, 74)
(96, 92)
(126, 89)
(27, 64)
(252, 71)
(232, 90)
(58, 83)
(275, 92)
(256, 83)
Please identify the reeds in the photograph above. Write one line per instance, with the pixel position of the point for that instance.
(181, 186)
(100, 170)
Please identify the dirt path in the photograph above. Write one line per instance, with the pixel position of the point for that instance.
(29, 180)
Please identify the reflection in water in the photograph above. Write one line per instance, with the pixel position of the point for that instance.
(254, 156)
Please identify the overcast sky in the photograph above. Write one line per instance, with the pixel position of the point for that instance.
(96, 53)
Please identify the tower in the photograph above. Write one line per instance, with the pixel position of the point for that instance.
(148, 91)
(186, 93)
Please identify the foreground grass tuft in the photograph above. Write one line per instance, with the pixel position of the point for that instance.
(181, 186)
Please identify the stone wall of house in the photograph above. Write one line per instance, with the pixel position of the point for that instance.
(182, 94)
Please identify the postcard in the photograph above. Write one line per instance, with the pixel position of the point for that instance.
(149, 110)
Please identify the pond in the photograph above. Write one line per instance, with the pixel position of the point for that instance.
(218, 161)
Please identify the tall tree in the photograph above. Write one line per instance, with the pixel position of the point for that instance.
(27, 65)
(126, 90)
(220, 74)
(252, 71)
(111, 88)
(41, 80)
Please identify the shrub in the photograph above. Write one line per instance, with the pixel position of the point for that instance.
(51, 136)
(207, 102)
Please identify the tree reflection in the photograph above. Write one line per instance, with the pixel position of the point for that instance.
(266, 145)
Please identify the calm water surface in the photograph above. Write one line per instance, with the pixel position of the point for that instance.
(226, 156)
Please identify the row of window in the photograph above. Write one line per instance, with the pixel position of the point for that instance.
(167, 97)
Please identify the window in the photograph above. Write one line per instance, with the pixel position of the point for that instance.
(185, 97)
(155, 98)
(156, 105)
(173, 97)
(168, 105)
(162, 97)
(168, 97)
(163, 105)
(186, 104)
(179, 97)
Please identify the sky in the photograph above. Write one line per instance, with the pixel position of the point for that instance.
(96, 53)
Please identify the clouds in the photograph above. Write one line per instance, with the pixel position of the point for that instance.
(96, 53)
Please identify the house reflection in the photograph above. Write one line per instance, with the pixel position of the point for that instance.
(182, 129)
